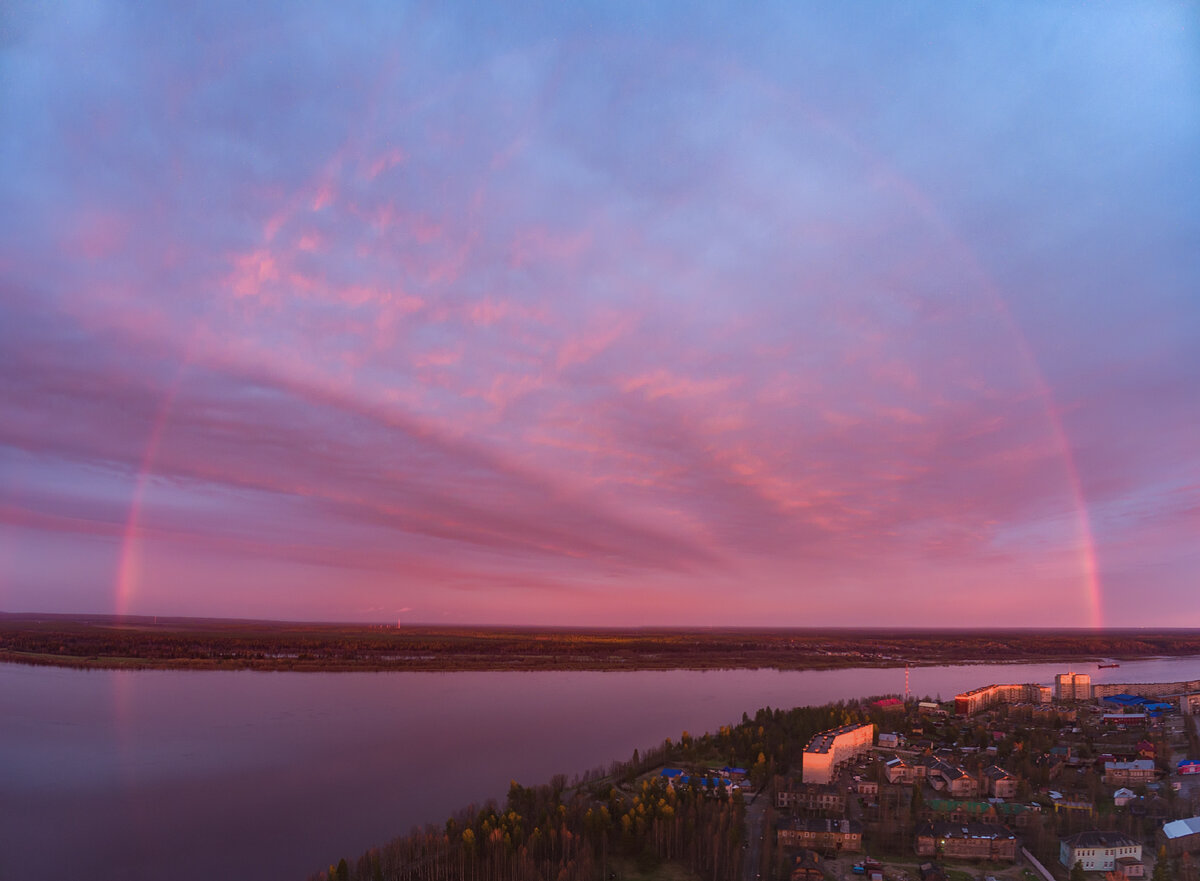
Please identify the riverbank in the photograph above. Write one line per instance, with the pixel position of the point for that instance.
(99, 642)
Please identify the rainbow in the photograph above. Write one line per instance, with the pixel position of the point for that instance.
(925, 206)
(129, 561)
(128, 576)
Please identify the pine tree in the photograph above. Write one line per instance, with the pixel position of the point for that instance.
(1162, 869)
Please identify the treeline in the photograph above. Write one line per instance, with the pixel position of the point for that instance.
(608, 818)
(98, 642)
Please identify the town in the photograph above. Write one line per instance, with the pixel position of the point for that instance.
(1073, 781)
(1006, 781)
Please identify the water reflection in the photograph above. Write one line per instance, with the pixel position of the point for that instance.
(146, 775)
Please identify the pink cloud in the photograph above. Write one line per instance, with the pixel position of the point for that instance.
(252, 272)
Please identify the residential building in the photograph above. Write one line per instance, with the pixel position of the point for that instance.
(1103, 852)
(1123, 797)
(953, 780)
(953, 811)
(979, 699)
(791, 794)
(843, 836)
(1073, 687)
(1000, 784)
(966, 841)
(1128, 773)
(828, 751)
(899, 771)
(866, 787)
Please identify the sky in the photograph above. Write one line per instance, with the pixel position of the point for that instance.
(798, 314)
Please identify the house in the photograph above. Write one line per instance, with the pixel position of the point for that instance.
(899, 771)
(966, 841)
(889, 739)
(1123, 796)
(1000, 783)
(1189, 766)
(1128, 773)
(866, 787)
(1103, 852)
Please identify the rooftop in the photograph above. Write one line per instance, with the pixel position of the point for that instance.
(1182, 828)
(991, 831)
(823, 742)
(1099, 839)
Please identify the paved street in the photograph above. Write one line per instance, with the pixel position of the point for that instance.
(755, 812)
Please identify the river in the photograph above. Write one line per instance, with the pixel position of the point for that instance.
(149, 775)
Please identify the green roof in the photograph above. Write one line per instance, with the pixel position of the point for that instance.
(949, 805)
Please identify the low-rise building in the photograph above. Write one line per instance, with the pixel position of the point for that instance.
(967, 841)
(1103, 852)
(954, 811)
(1181, 836)
(791, 794)
(1123, 797)
(899, 771)
(1000, 783)
(1128, 773)
(953, 780)
(842, 836)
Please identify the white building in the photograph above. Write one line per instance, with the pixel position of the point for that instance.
(1103, 852)
(829, 750)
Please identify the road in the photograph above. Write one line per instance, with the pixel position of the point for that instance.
(755, 811)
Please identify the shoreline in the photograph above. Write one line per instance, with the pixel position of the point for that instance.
(191, 644)
(530, 665)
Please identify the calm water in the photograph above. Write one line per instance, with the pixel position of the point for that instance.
(155, 775)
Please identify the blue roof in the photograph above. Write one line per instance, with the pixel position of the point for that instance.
(672, 772)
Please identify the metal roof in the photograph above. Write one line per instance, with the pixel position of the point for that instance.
(1182, 828)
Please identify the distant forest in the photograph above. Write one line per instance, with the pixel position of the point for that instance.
(105, 642)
